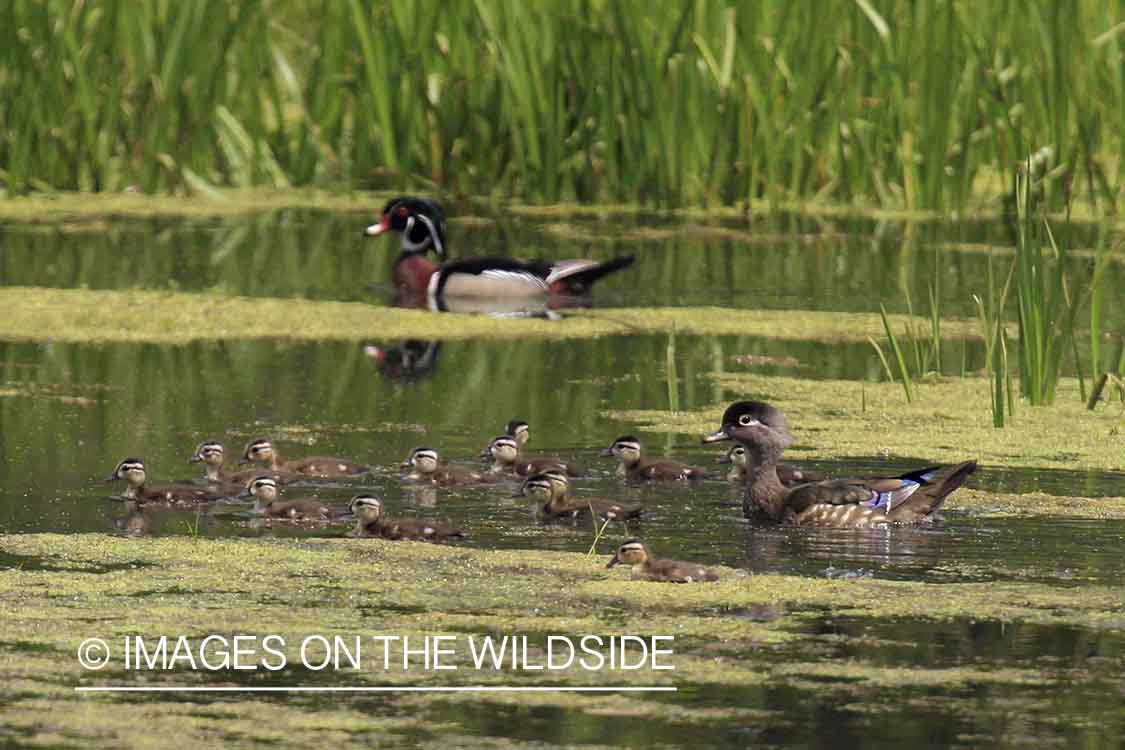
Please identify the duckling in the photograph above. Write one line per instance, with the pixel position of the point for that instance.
(520, 430)
(647, 568)
(550, 489)
(634, 465)
(425, 465)
(370, 521)
(263, 453)
(912, 497)
(504, 453)
(264, 491)
(133, 471)
(789, 475)
(212, 455)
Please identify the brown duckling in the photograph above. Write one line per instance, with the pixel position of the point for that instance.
(840, 503)
(266, 503)
(425, 466)
(212, 455)
(520, 430)
(550, 492)
(645, 567)
(633, 464)
(133, 471)
(504, 453)
(370, 521)
(789, 475)
(263, 453)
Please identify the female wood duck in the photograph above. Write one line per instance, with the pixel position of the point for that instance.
(549, 491)
(422, 225)
(370, 521)
(263, 453)
(645, 567)
(425, 466)
(633, 464)
(841, 503)
(504, 453)
(212, 455)
(789, 475)
(266, 503)
(133, 471)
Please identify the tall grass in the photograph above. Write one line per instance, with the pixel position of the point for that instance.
(899, 359)
(1039, 295)
(907, 105)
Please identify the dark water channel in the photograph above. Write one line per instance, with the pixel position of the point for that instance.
(69, 412)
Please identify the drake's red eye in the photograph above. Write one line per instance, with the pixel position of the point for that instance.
(403, 211)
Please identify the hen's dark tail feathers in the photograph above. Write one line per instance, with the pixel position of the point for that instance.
(937, 484)
(581, 281)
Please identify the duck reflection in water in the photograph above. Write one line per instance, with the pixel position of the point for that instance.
(136, 521)
(409, 361)
(771, 548)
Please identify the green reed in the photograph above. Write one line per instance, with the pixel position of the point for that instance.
(1102, 259)
(599, 531)
(918, 354)
(899, 359)
(1046, 306)
(990, 314)
(907, 105)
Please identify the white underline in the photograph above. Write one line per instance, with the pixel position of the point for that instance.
(374, 689)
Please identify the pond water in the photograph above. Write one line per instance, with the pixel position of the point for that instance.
(69, 412)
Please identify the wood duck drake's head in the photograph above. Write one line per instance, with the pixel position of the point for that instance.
(421, 223)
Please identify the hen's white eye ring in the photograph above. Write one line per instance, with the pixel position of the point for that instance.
(746, 420)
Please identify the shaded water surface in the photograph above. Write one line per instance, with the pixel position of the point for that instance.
(69, 412)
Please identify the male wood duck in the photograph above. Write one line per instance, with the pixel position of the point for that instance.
(789, 475)
(370, 521)
(266, 502)
(549, 491)
(426, 467)
(504, 453)
(263, 453)
(841, 503)
(422, 225)
(633, 464)
(212, 455)
(645, 567)
(133, 471)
